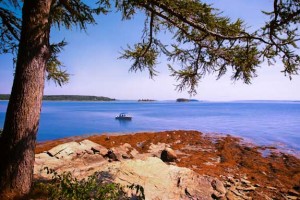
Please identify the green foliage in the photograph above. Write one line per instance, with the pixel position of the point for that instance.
(54, 71)
(144, 57)
(204, 42)
(65, 186)
(64, 13)
(10, 26)
(70, 13)
(283, 35)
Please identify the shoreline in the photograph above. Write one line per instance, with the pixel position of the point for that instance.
(277, 174)
(280, 147)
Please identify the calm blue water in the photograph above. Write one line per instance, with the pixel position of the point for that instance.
(269, 123)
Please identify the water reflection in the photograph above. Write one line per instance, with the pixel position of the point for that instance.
(124, 123)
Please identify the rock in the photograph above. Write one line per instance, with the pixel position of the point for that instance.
(156, 149)
(64, 150)
(72, 156)
(292, 197)
(43, 160)
(111, 155)
(237, 193)
(94, 147)
(271, 188)
(218, 186)
(293, 193)
(245, 181)
(72, 149)
(134, 153)
(230, 196)
(251, 188)
(159, 180)
(257, 185)
(231, 179)
(177, 142)
(140, 144)
(100, 149)
(168, 155)
(124, 151)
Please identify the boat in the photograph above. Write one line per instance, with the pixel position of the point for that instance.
(123, 116)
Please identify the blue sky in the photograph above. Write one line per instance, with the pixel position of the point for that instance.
(91, 59)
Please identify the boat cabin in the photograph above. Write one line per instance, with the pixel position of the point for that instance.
(123, 116)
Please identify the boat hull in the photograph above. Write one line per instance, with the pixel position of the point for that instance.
(123, 118)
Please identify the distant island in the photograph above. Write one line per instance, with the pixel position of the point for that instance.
(185, 100)
(66, 98)
(145, 100)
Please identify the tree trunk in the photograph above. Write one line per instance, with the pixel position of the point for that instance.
(17, 142)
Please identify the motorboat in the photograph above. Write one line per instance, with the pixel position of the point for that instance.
(123, 116)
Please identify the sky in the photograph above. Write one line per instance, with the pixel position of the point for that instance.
(92, 60)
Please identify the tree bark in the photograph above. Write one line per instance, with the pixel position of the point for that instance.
(17, 143)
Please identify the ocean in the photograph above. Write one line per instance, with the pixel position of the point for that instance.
(262, 122)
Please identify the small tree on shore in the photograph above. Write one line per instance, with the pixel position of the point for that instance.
(203, 42)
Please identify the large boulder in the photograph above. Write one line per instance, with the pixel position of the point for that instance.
(161, 181)
(70, 150)
(80, 158)
(64, 151)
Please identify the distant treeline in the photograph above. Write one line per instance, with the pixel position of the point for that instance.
(146, 100)
(66, 98)
(185, 100)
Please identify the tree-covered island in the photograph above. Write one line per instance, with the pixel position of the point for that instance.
(66, 98)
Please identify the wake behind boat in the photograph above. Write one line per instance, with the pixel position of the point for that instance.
(123, 116)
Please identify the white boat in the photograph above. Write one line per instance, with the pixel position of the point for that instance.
(123, 116)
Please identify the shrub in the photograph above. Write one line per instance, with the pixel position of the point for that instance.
(65, 186)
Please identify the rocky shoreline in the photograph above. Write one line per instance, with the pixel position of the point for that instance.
(177, 165)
